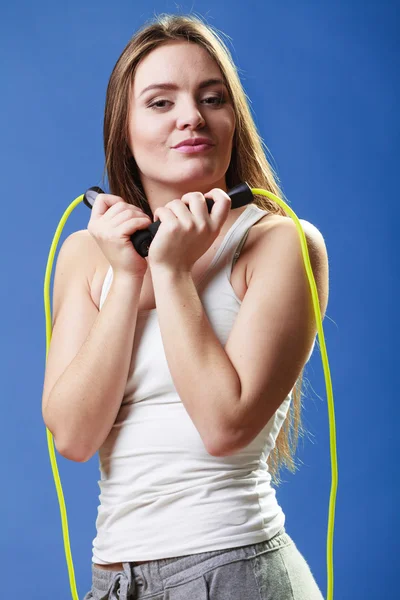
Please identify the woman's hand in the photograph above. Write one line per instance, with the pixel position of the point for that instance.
(112, 222)
(187, 229)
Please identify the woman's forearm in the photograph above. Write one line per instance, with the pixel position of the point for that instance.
(203, 375)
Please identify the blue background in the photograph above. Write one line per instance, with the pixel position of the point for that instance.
(322, 79)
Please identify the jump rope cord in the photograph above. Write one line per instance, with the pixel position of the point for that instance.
(325, 363)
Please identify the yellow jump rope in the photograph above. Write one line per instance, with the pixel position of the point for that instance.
(243, 194)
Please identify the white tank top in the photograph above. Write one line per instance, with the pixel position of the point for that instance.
(161, 493)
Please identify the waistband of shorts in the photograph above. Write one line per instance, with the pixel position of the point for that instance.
(171, 566)
(178, 569)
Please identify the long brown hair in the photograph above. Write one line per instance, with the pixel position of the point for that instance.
(248, 161)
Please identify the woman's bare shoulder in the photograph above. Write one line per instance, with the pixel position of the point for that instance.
(271, 222)
(94, 262)
(257, 234)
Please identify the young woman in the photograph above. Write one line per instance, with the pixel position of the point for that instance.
(182, 368)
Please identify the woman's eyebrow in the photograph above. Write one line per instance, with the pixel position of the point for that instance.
(173, 86)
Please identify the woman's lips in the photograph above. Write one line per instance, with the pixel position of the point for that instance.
(194, 149)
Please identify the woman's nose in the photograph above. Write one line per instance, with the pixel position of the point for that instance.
(190, 115)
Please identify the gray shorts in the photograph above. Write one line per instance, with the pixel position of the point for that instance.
(271, 570)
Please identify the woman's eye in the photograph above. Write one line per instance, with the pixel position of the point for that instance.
(216, 100)
(157, 104)
(220, 99)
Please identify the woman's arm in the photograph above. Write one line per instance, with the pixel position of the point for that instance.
(231, 393)
(203, 375)
(89, 355)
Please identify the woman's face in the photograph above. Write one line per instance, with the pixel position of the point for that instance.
(161, 118)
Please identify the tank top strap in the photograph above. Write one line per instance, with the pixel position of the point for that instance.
(230, 249)
(106, 286)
